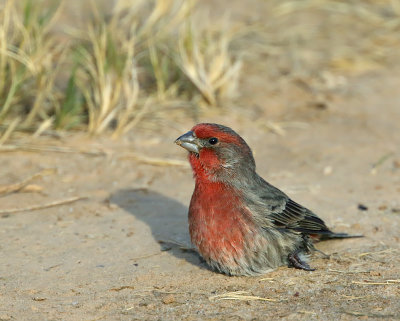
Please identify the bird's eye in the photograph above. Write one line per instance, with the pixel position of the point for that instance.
(213, 140)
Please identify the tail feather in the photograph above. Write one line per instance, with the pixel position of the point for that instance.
(333, 235)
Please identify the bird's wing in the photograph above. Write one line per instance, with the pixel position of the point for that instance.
(296, 217)
(282, 212)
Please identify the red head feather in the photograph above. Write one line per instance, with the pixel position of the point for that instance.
(224, 134)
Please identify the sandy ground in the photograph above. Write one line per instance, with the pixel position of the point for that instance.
(101, 258)
(123, 253)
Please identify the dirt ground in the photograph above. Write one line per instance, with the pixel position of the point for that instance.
(123, 252)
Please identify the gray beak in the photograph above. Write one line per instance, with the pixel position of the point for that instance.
(188, 141)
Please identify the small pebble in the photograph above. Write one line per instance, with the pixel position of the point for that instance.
(362, 207)
(328, 170)
(168, 299)
(374, 273)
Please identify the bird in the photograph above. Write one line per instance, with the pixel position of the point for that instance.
(240, 224)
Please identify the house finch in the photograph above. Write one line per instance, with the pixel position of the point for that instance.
(239, 223)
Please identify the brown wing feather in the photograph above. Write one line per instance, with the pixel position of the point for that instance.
(296, 217)
(284, 213)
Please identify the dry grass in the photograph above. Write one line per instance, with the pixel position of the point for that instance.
(109, 73)
(239, 295)
(137, 61)
(208, 64)
(29, 64)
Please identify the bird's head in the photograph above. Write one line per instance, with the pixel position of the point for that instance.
(216, 151)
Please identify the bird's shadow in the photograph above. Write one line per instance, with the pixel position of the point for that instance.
(166, 218)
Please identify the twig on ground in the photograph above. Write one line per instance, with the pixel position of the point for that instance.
(347, 272)
(32, 188)
(56, 149)
(372, 315)
(145, 256)
(352, 297)
(50, 149)
(386, 282)
(156, 161)
(124, 287)
(381, 160)
(377, 252)
(239, 295)
(43, 206)
(7, 189)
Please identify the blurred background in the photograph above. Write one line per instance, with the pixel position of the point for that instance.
(112, 66)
